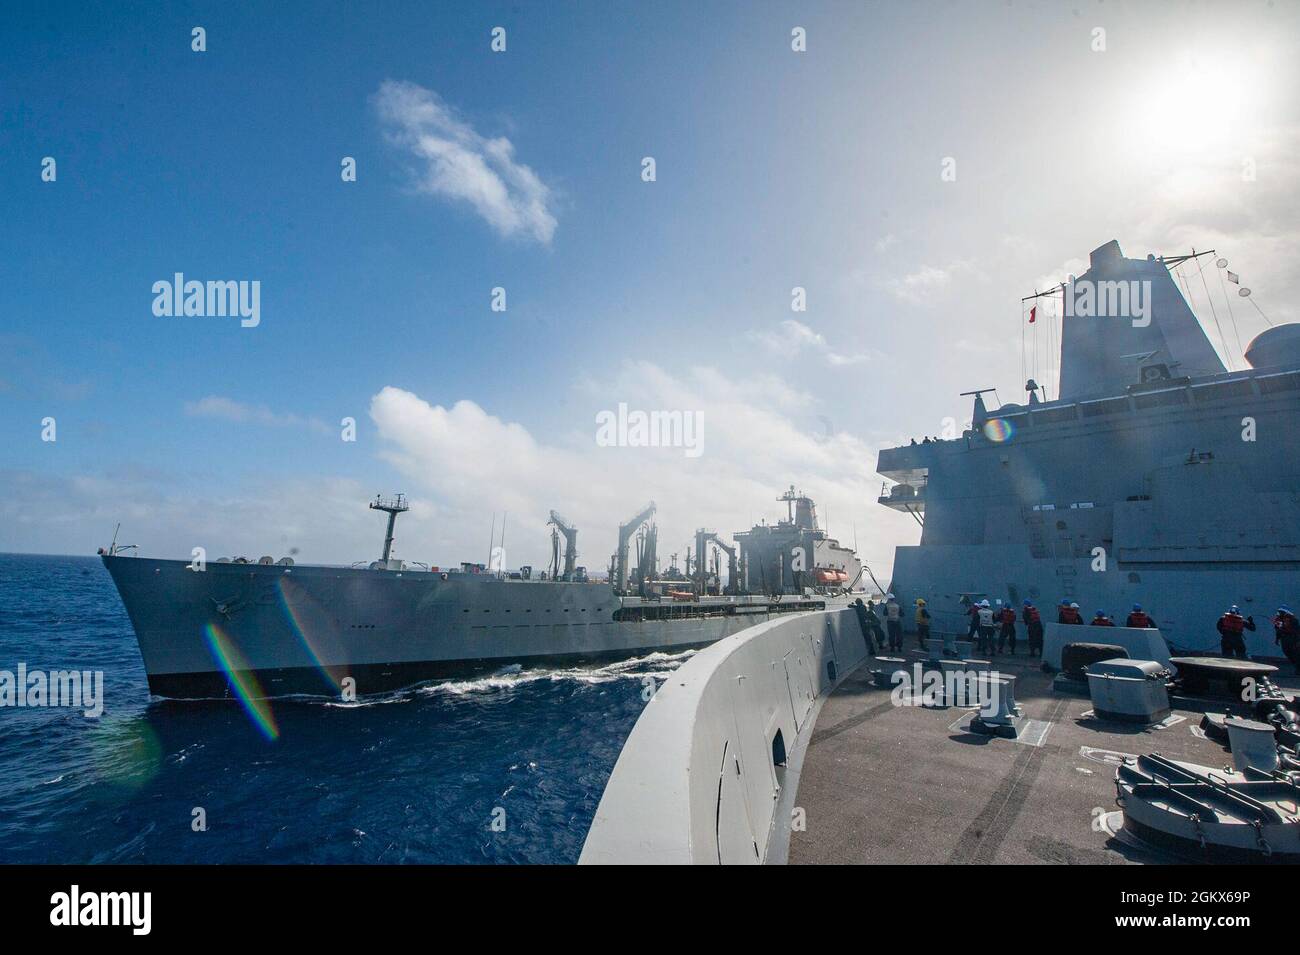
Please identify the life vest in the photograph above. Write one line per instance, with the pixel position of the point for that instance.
(1138, 618)
(1232, 623)
(1286, 625)
(1031, 615)
(1008, 616)
(1070, 615)
(1102, 622)
(986, 617)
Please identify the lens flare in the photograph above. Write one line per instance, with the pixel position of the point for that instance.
(999, 430)
(299, 609)
(242, 681)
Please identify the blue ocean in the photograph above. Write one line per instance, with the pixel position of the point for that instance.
(419, 775)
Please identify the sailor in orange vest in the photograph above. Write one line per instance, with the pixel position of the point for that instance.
(1101, 620)
(1286, 629)
(1069, 613)
(1033, 628)
(1138, 618)
(1231, 626)
(1007, 632)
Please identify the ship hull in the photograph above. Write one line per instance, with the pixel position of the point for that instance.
(268, 630)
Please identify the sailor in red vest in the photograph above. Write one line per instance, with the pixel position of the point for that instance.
(1101, 620)
(1069, 613)
(1231, 626)
(1033, 628)
(1007, 631)
(1286, 629)
(1139, 618)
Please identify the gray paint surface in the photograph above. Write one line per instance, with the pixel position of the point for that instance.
(1123, 491)
(696, 781)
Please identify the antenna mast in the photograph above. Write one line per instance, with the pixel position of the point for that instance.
(392, 507)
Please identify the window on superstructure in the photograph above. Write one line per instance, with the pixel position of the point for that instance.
(1270, 384)
(1056, 415)
(1092, 409)
(1225, 389)
(1160, 399)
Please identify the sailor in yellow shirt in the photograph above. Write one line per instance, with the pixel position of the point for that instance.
(922, 622)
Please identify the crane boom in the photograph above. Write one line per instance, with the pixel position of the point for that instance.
(618, 577)
(570, 543)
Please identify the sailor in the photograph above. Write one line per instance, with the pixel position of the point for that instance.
(1033, 628)
(1007, 632)
(1101, 620)
(922, 622)
(873, 624)
(894, 623)
(1287, 634)
(1231, 626)
(973, 612)
(1069, 613)
(985, 628)
(864, 621)
(1139, 618)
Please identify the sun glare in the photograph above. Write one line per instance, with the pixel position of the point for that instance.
(1203, 105)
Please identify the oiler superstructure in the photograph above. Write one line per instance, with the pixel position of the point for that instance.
(268, 628)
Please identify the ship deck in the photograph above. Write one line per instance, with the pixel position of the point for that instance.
(888, 784)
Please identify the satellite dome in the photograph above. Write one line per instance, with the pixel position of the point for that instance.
(1276, 347)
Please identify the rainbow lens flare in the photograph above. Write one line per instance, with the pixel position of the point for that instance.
(999, 430)
(300, 611)
(242, 681)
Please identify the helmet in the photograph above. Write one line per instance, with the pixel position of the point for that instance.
(1234, 609)
(984, 603)
(1137, 608)
(1074, 606)
(1028, 604)
(1065, 603)
(1283, 609)
(1101, 613)
(920, 602)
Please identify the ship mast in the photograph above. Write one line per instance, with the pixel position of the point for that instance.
(392, 507)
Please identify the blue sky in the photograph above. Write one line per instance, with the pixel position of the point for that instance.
(775, 169)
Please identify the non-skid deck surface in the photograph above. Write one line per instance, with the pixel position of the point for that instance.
(887, 784)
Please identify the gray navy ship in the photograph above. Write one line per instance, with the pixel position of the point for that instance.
(265, 628)
(1155, 477)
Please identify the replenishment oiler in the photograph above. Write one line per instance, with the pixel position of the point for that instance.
(270, 628)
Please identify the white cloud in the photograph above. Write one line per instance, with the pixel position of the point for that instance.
(228, 409)
(793, 336)
(460, 164)
(929, 281)
(916, 287)
(461, 464)
(759, 437)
